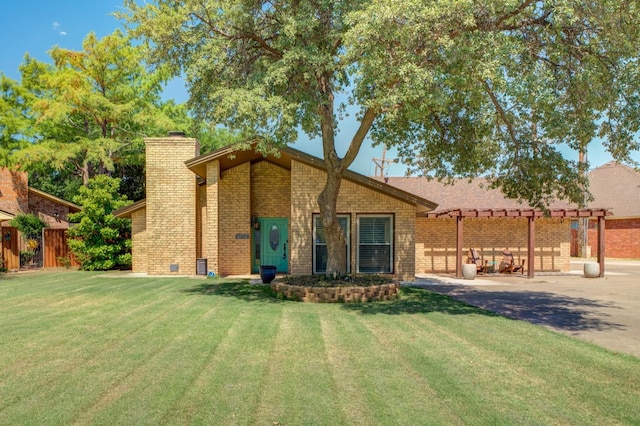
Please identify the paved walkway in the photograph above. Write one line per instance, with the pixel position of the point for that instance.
(605, 311)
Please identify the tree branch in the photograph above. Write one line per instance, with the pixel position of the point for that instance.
(356, 142)
(241, 35)
(514, 12)
(501, 112)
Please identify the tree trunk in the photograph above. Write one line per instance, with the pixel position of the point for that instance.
(328, 198)
(85, 173)
(335, 167)
(335, 238)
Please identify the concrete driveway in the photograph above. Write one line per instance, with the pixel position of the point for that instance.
(605, 311)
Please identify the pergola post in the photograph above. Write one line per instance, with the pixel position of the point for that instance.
(601, 244)
(459, 246)
(531, 247)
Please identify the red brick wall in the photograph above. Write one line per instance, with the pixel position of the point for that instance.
(621, 239)
(14, 187)
(47, 210)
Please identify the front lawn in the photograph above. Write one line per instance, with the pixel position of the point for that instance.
(90, 348)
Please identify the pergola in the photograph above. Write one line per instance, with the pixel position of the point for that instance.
(531, 215)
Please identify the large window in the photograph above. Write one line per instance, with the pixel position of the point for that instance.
(375, 244)
(320, 243)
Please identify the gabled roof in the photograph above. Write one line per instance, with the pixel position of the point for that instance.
(617, 186)
(231, 157)
(72, 207)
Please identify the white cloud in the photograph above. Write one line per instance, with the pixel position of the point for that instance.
(56, 27)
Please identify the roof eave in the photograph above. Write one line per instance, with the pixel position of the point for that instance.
(72, 207)
(198, 166)
(125, 212)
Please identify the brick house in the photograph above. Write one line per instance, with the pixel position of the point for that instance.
(237, 210)
(17, 197)
(492, 223)
(617, 187)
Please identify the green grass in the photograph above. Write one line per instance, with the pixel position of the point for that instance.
(89, 348)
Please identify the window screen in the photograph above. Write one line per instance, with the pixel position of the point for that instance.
(375, 244)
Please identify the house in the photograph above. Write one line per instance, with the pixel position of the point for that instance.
(492, 223)
(617, 187)
(240, 209)
(16, 197)
(231, 211)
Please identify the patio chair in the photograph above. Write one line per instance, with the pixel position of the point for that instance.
(474, 257)
(509, 265)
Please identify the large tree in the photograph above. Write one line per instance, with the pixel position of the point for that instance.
(460, 87)
(92, 107)
(16, 118)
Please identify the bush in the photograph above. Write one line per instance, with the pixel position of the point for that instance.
(65, 261)
(100, 240)
(348, 280)
(29, 225)
(26, 256)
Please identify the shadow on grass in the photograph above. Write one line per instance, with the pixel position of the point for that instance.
(538, 307)
(241, 289)
(541, 308)
(417, 301)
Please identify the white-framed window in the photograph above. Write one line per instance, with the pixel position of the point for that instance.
(320, 243)
(375, 244)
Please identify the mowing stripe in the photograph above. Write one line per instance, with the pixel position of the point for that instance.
(166, 359)
(48, 373)
(229, 385)
(298, 389)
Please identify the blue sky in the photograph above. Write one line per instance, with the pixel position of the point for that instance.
(35, 26)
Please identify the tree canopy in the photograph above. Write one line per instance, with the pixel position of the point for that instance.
(461, 88)
(92, 107)
(16, 117)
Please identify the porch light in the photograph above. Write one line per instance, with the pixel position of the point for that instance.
(255, 223)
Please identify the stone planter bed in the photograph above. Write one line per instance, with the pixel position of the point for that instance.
(340, 294)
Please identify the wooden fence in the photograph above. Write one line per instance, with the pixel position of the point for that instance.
(56, 248)
(10, 248)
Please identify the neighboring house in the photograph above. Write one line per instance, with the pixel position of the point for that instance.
(616, 187)
(16, 197)
(236, 210)
(492, 223)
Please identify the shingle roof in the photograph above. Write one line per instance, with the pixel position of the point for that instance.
(617, 187)
(463, 194)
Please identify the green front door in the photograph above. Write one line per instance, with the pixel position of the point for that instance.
(271, 244)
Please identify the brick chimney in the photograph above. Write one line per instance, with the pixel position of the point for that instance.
(171, 205)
